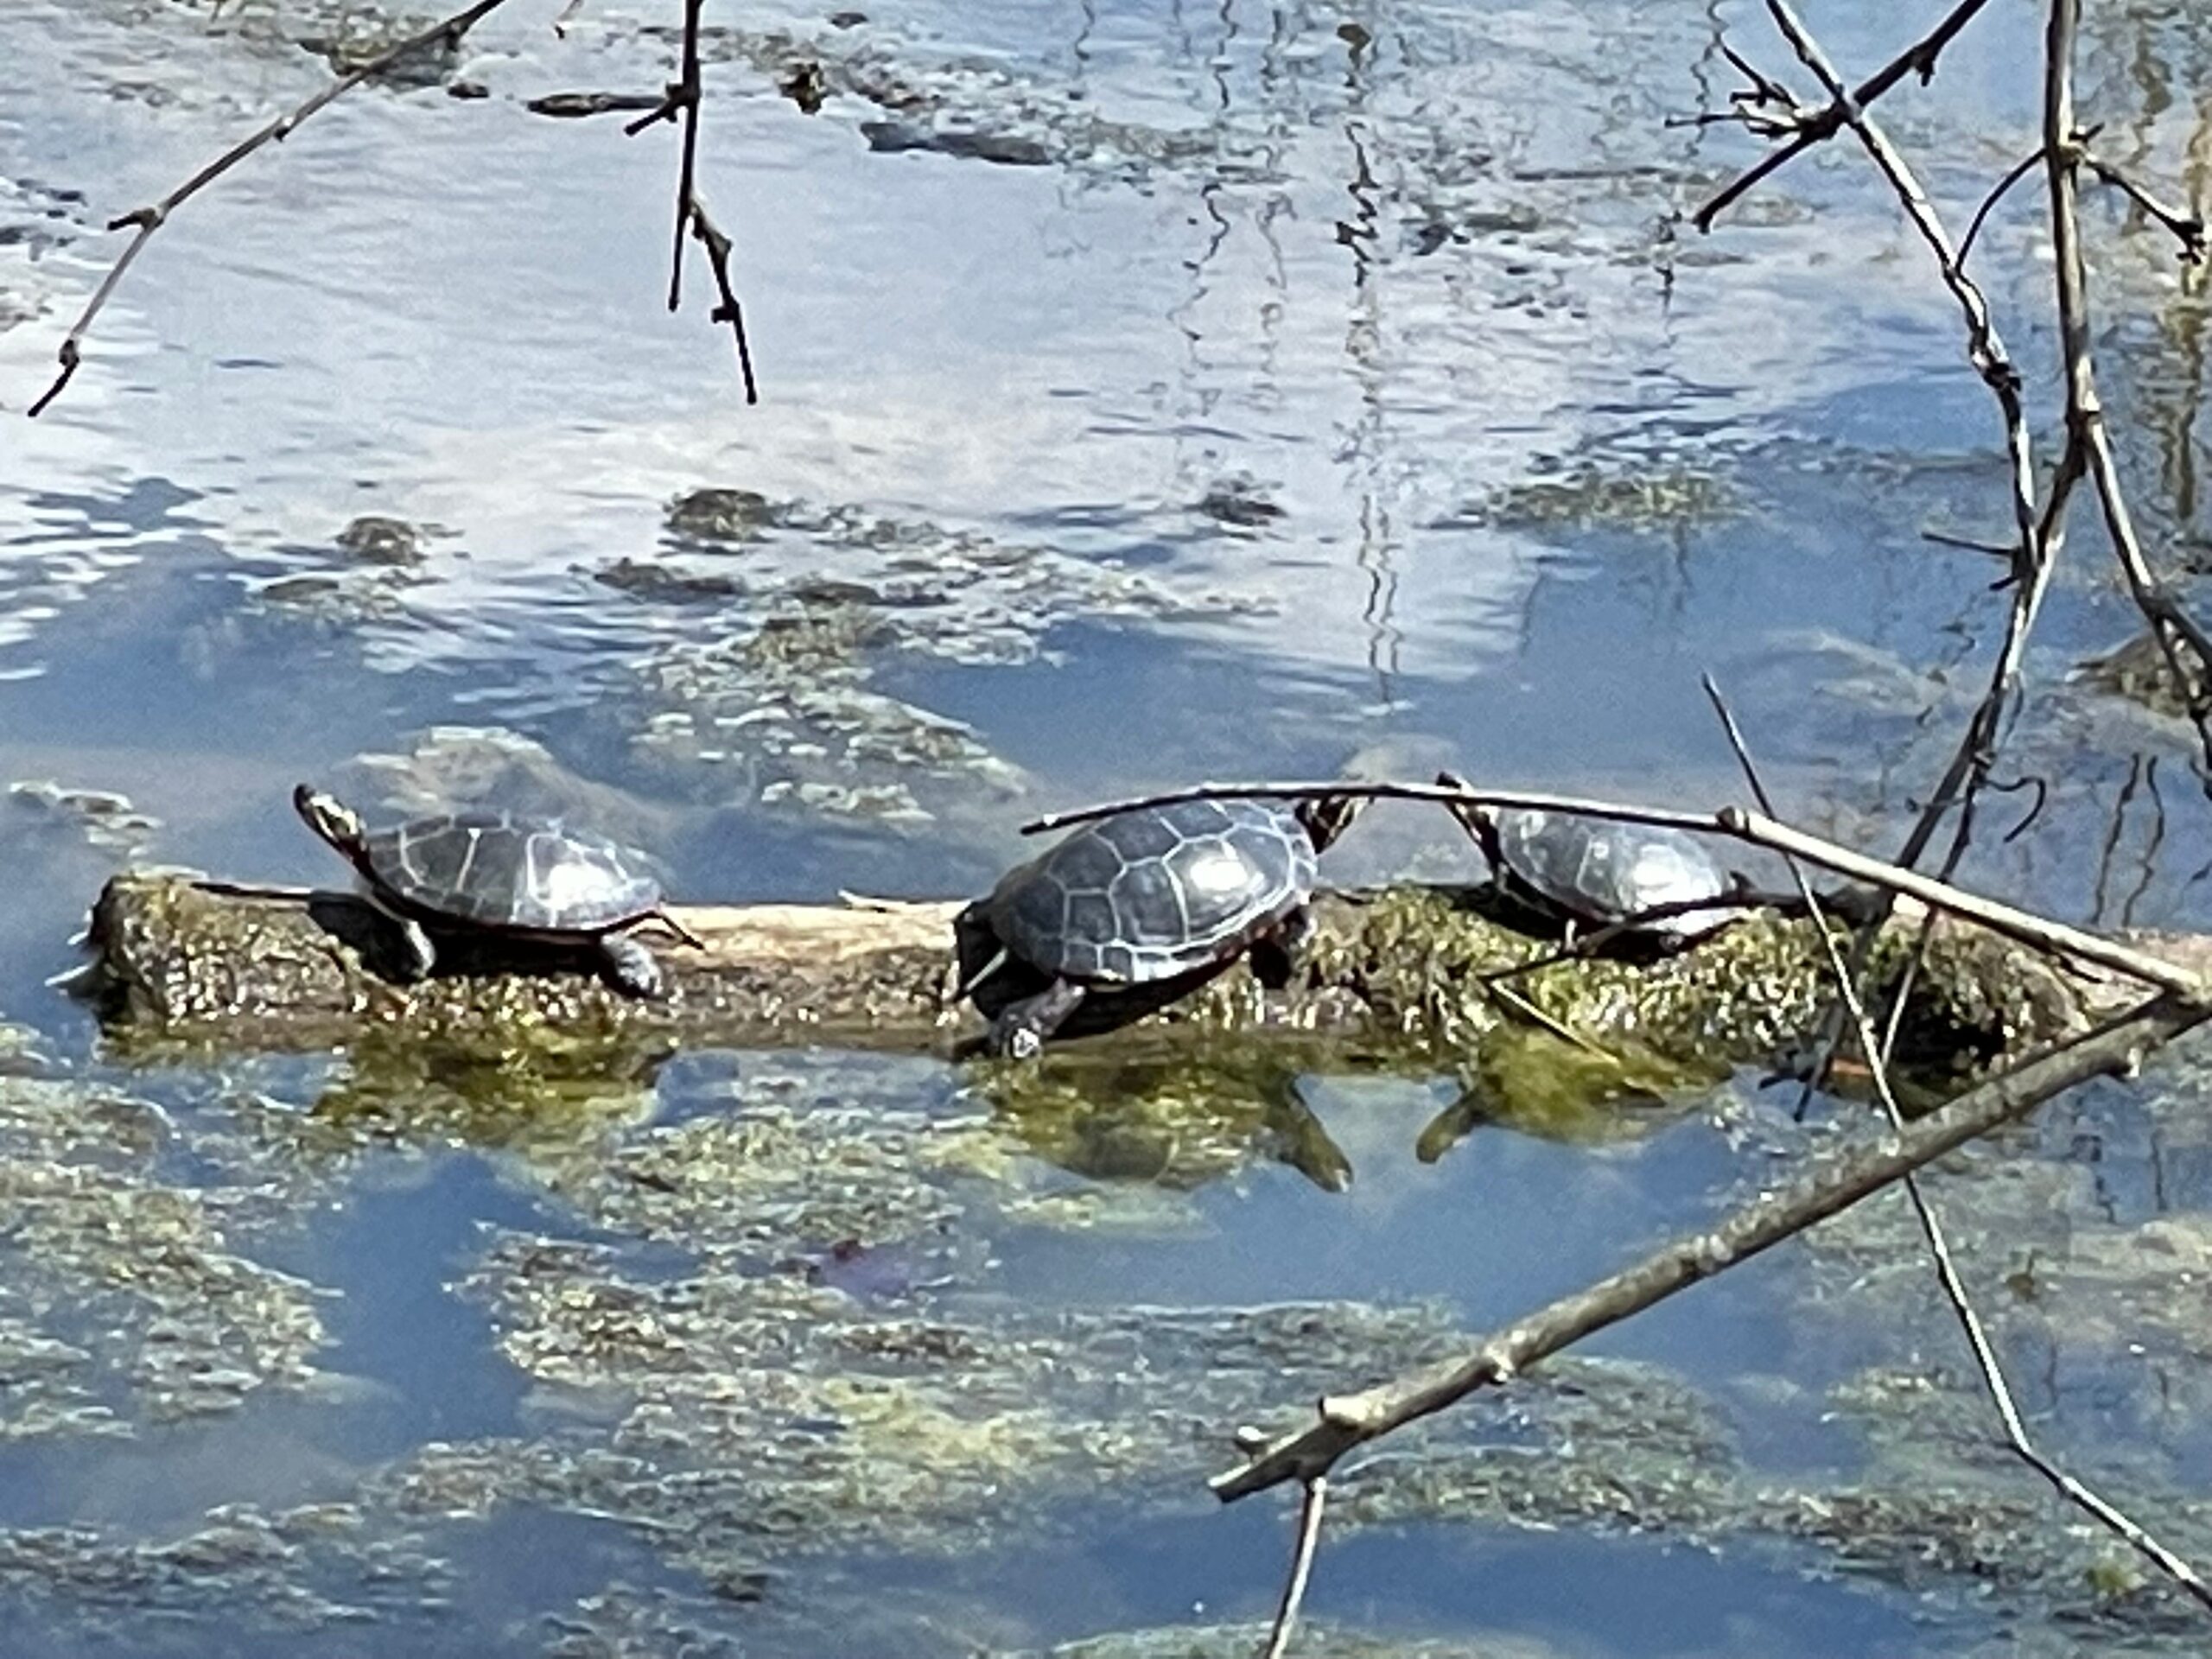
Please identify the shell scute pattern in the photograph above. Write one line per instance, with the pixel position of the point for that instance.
(1603, 872)
(1151, 894)
(485, 867)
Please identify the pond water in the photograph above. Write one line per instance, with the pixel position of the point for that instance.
(1301, 388)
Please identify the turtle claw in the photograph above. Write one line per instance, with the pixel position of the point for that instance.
(1019, 1031)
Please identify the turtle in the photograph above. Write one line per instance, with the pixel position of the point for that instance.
(1133, 909)
(526, 880)
(1572, 873)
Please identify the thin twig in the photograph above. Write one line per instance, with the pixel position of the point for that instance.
(149, 219)
(1970, 544)
(1918, 58)
(2038, 533)
(726, 308)
(1931, 1227)
(687, 172)
(681, 98)
(1348, 1420)
(2186, 225)
(1754, 828)
(2176, 632)
(1598, 941)
(1516, 1003)
(2013, 174)
(1302, 1569)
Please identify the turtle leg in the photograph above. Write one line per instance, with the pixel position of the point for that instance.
(1302, 1141)
(1274, 957)
(413, 956)
(629, 966)
(976, 955)
(1020, 1029)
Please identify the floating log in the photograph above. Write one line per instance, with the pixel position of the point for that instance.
(1395, 976)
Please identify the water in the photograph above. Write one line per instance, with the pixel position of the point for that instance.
(1336, 390)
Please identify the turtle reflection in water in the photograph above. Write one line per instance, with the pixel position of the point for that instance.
(523, 880)
(1132, 911)
(1568, 874)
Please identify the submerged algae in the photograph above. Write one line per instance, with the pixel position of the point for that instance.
(123, 1297)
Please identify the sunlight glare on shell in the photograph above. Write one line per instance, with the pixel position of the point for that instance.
(1219, 873)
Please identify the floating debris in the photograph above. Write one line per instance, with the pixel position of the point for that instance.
(105, 817)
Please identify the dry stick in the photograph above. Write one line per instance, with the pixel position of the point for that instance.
(687, 172)
(1985, 350)
(727, 308)
(1515, 1003)
(681, 97)
(2085, 420)
(1931, 1228)
(1302, 1569)
(1349, 1421)
(2039, 534)
(1918, 58)
(1584, 946)
(2187, 228)
(152, 217)
(2005, 550)
(2019, 170)
(1756, 829)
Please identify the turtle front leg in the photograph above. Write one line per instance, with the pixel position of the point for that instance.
(413, 956)
(1021, 1028)
(630, 967)
(1274, 957)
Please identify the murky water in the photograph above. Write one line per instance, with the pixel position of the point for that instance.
(1322, 388)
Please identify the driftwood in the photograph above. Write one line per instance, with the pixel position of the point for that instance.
(177, 960)
(1392, 970)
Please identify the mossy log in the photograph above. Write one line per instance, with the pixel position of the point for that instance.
(1395, 974)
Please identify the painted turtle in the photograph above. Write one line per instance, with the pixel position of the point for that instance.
(1134, 909)
(523, 879)
(1574, 872)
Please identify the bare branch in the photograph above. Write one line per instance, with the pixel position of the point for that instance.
(148, 219)
(2038, 533)
(2013, 174)
(1931, 1227)
(2176, 632)
(2188, 227)
(1350, 1420)
(1301, 1569)
(1970, 543)
(726, 308)
(682, 98)
(688, 171)
(1918, 59)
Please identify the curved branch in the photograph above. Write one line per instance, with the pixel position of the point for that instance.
(151, 218)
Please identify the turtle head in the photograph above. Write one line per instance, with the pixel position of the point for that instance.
(331, 818)
(1475, 819)
(1327, 816)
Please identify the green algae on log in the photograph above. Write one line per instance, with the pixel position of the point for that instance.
(1395, 977)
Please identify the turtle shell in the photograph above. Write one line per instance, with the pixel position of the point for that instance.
(1600, 871)
(490, 869)
(1155, 893)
